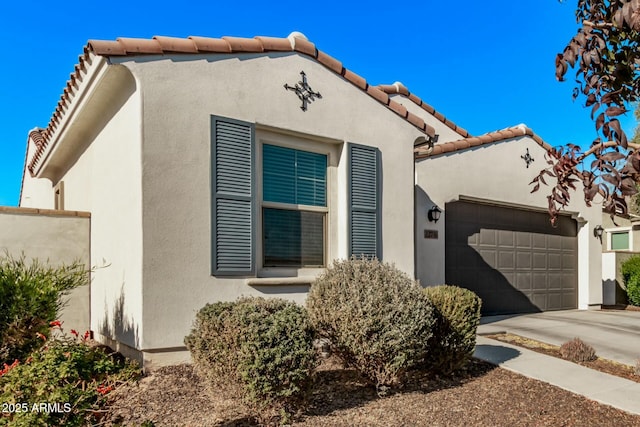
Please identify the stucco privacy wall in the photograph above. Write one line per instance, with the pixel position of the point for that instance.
(56, 238)
(496, 172)
(180, 94)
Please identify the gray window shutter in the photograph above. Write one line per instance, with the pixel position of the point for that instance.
(364, 201)
(233, 200)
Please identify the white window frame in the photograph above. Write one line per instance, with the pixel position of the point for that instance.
(611, 231)
(330, 148)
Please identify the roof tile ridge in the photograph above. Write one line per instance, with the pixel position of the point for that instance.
(486, 138)
(397, 88)
(158, 45)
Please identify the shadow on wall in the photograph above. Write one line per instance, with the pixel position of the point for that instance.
(117, 326)
(120, 92)
(498, 295)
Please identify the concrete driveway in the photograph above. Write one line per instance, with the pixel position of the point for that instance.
(614, 334)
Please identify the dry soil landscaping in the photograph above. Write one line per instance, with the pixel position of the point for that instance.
(603, 365)
(481, 395)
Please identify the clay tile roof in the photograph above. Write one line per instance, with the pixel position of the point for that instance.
(210, 45)
(160, 45)
(488, 138)
(136, 46)
(173, 44)
(239, 44)
(400, 89)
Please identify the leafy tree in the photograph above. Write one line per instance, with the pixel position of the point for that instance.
(605, 54)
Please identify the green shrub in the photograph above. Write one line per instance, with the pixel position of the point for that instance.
(31, 297)
(67, 373)
(633, 288)
(377, 319)
(457, 312)
(260, 349)
(631, 275)
(577, 350)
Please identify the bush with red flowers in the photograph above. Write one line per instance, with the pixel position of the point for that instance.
(69, 376)
(31, 296)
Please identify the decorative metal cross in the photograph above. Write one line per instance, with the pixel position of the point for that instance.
(304, 91)
(527, 158)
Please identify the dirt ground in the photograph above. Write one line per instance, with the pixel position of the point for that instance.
(481, 395)
(603, 365)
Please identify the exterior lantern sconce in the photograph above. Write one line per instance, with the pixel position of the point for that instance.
(433, 214)
(597, 232)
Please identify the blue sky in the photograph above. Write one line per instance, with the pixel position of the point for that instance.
(485, 65)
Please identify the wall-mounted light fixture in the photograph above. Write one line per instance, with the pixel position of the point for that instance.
(433, 214)
(597, 232)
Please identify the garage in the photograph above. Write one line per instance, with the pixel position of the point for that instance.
(512, 258)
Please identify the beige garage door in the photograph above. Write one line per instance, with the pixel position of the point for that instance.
(512, 258)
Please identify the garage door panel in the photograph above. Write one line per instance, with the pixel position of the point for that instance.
(539, 241)
(540, 260)
(524, 260)
(555, 261)
(487, 237)
(555, 281)
(539, 299)
(523, 281)
(490, 256)
(512, 258)
(554, 243)
(539, 281)
(506, 238)
(554, 301)
(568, 243)
(568, 261)
(569, 299)
(523, 240)
(506, 260)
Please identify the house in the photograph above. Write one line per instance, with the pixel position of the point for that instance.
(214, 168)
(620, 236)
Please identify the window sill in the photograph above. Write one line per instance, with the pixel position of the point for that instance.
(280, 281)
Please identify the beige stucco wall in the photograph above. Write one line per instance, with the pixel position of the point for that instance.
(496, 172)
(97, 155)
(180, 95)
(56, 238)
(35, 192)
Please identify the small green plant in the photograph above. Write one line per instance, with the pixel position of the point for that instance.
(577, 351)
(457, 313)
(67, 379)
(376, 318)
(258, 349)
(631, 275)
(30, 298)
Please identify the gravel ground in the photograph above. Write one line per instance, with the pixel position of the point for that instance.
(482, 395)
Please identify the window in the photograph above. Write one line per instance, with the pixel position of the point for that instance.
(620, 241)
(294, 208)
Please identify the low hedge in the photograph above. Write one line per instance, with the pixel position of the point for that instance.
(376, 318)
(457, 313)
(258, 349)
